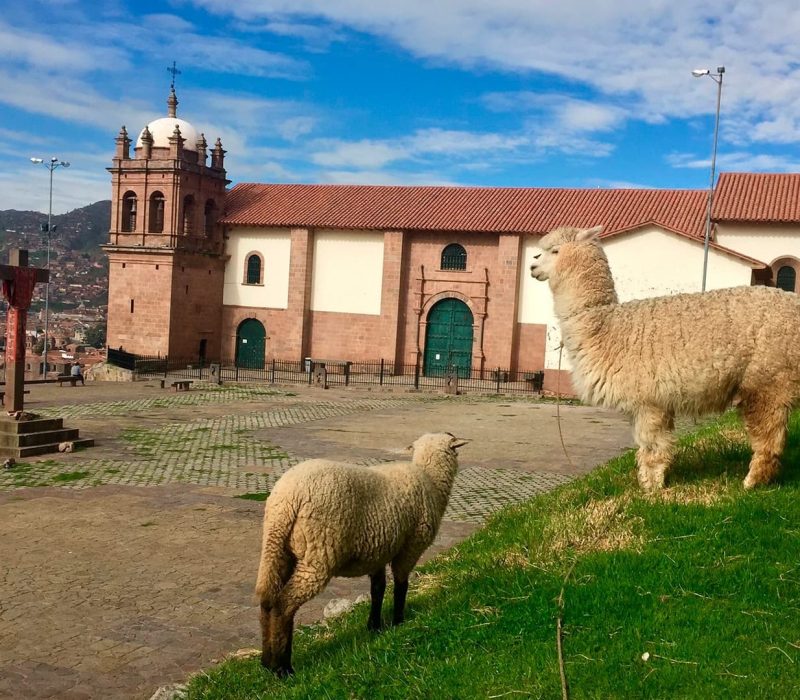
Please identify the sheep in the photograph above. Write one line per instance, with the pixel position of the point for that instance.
(326, 519)
(684, 354)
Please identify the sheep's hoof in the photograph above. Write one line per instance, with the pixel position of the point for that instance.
(374, 626)
(284, 671)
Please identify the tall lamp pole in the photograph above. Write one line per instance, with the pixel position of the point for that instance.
(717, 78)
(51, 165)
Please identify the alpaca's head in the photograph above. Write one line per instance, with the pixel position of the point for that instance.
(574, 264)
(567, 238)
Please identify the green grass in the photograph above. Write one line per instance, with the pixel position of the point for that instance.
(702, 580)
(254, 496)
(70, 476)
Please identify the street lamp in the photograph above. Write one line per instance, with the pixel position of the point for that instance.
(717, 78)
(51, 165)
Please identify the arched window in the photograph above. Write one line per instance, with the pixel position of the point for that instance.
(454, 257)
(209, 217)
(129, 212)
(156, 224)
(787, 276)
(188, 215)
(253, 268)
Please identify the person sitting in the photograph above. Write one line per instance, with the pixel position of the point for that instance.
(75, 371)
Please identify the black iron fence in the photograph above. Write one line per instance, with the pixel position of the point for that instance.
(335, 373)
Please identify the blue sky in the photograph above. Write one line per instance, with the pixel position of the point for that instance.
(503, 93)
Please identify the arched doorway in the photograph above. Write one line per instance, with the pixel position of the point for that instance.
(448, 339)
(251, 344)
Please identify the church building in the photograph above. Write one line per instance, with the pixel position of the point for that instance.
(434, 276)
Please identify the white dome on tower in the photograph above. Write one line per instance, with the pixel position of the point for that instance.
(161, 130)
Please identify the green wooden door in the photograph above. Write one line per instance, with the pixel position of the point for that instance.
(251, 341)
(448, 339)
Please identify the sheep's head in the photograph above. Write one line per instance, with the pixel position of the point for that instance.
(431, 445)
(546, 263)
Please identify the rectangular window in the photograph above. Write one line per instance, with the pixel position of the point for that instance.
(131, 305)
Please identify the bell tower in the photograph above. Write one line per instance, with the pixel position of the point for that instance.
(165, 248)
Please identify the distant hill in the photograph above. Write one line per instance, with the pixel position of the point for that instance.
(78, 267)
(80, 230)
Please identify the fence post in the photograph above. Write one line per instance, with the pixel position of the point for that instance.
(237, 372)
(416, 374)
(347, 373)
(381, 379)
(498, 380)
(272, 374)
(166, 365)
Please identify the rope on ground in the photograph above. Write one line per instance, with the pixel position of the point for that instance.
(558, 407)
(560, 620)
(559, 634)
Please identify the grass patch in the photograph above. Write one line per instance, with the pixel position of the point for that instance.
(692, 593)
(70, 476)
(254, 496)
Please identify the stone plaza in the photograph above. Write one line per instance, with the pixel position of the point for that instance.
(130, 565)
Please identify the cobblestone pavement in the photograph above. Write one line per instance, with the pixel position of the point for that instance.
(108, 589)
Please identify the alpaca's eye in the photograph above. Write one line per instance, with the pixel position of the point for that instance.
(554, 251)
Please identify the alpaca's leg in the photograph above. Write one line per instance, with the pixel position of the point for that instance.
(766, 421)
(306, 582)
(652, 430)
(377, 587)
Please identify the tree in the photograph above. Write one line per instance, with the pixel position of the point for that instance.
(96, 335)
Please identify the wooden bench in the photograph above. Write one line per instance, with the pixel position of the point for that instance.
(73, 381)
(181, 384)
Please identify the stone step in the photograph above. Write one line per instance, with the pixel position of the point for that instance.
(37, 425)
(43, 437)
(48, 448)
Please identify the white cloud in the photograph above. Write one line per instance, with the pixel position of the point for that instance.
(640, 51)
(736, 161)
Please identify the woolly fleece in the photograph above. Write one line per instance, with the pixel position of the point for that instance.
(682, 354)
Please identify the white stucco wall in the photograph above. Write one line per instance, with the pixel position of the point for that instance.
(275, 248)
(348, 272)
(647, 263)
(653, 262)
(764, 242)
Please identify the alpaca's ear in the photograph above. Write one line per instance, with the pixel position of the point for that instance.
(589, 234)
(455, 443)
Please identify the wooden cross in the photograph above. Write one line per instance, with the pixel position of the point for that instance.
(18, 283)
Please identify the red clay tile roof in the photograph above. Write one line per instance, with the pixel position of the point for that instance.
(522, 210)
(762, 197)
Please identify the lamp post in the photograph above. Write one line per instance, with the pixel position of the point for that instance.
(717, 78)
(51, 165)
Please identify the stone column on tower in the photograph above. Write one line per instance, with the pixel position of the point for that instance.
(123, 151)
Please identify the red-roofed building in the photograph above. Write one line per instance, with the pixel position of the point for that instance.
(430, 275)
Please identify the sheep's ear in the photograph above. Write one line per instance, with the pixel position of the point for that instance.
(589, 234)
(455, 443)
(410, 448)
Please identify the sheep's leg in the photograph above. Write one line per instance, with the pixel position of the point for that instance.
(400, 591)
(306, 582)
(652, 429)
(377, 587)
(265, 617)
(402, 566)
(765, 421)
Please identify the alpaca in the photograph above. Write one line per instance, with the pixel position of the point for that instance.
(684, 354)
(326, 519)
